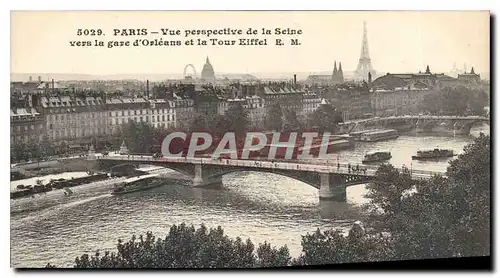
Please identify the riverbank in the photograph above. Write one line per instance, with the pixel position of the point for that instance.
(27, 174)
(52, 179)
(42, 186)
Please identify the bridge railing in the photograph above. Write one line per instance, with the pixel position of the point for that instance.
(344, 168)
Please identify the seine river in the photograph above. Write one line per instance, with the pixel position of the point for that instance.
(262, 207)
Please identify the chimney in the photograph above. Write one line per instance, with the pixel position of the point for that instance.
(295, 79)
(39, 78)
(30, 79)
(147, 89)
(52, 85)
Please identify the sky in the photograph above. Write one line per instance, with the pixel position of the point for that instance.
(398, 41)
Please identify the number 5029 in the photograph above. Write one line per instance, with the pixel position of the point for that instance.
(89, 32)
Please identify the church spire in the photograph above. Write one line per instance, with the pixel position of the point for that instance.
(335, 67)
(472, 71)
(340, 74)
(208, 62)
(427, 70)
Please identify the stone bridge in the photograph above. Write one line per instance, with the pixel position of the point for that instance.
(331, 180)
(459, 125)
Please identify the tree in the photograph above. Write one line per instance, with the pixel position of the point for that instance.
(332, 247)
(186, 247)
(326, 118)
(291, 122)
(441, 217)
(268, 256)
(138, 136)
(237, 118)
(46, 146)
(455, 101)
(63, 147)
(470, 186)
(274, 118)
(199, 123)
(220, 125)
(18, 152)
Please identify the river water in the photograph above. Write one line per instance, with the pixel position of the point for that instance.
(259, 206)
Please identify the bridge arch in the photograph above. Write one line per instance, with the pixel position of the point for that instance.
(470, 125)
(311, 178)
(189, 66)
(311, 181)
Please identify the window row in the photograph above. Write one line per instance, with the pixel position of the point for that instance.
(25, 128)
(157, 118)
(139, 112)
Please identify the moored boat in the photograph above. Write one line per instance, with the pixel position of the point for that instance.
(135, 184)
(377, 157)
(379, 135)
(356, 135)
(433, 154)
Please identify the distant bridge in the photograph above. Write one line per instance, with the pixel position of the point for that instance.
(331, 179)
(420, 123)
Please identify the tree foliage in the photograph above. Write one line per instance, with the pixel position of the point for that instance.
(291, 122)
(326, 118)
(441, 217)
(139, 137)
(32, 150)
(199, 123)
(455, 101)
(220, 125)
(274, 118)
(187, 247)
(237, 118)
(332, 247)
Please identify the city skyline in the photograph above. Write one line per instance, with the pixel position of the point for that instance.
(442, 39)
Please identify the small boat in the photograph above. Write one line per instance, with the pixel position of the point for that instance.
(433, 154)
(377, 157)
(67, 192)
(135, 184)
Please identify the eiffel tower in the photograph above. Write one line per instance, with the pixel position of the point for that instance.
(365, 64)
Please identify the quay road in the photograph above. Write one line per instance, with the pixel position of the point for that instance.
(329, 166)
(422, 117)
(50, 161)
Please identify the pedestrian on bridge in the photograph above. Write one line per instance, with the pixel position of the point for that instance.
(349, 167)
(338, 166)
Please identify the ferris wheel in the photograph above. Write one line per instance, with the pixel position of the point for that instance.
(192, 69)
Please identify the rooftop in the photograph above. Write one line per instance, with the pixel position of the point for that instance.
(23, 112)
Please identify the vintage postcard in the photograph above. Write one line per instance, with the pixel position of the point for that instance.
(249, 139)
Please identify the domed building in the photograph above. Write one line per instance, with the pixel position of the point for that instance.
(207, 74)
